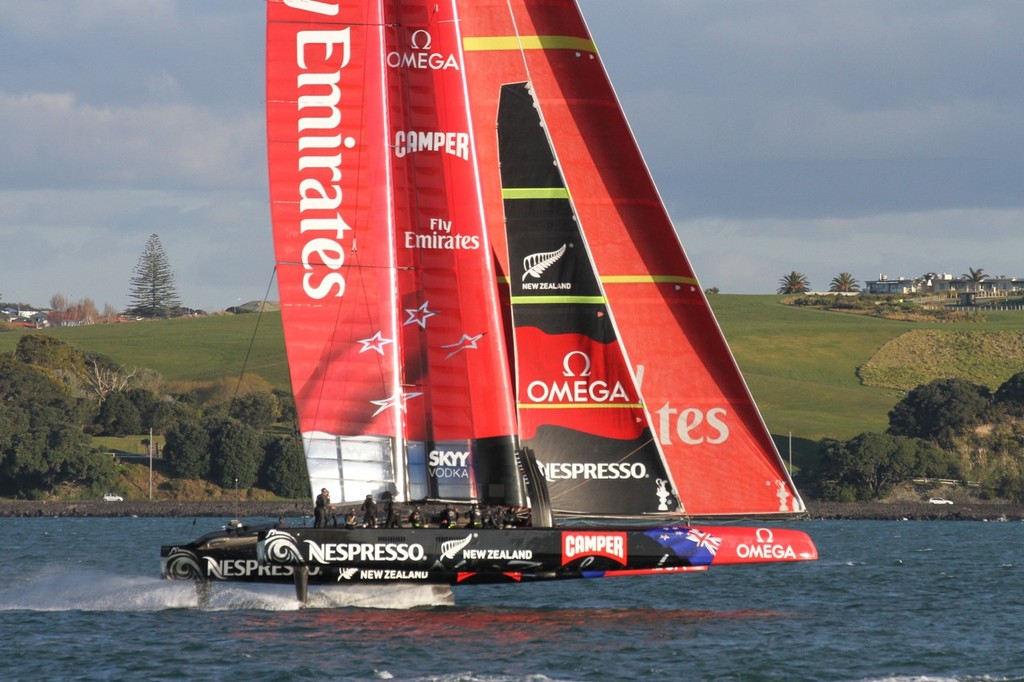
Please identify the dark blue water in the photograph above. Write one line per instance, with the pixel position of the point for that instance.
(80, 598)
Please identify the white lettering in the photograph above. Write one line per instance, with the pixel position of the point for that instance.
(691, 425)
(339, 552)
(450, 458)
(390, 574)
(575, 545)
(556, 471)
(578, 391)
(444, 242)
(769, 552)
(321, 156)
(225, 569)
(411, 141)
(325, 8)
(498, 554)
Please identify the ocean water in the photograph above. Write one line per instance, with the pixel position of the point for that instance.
(81, 599)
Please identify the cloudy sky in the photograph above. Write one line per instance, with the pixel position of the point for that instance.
(822, 136)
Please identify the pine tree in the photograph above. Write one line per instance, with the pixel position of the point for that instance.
(153, 293)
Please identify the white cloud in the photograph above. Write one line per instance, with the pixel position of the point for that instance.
(870, 136)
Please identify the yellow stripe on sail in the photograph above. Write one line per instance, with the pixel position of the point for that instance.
(534, 193)
(505, 43)
(543, 300)
(648, 279)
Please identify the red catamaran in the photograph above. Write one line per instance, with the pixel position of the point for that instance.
(484, 301)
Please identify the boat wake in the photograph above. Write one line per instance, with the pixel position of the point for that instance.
(63, 589)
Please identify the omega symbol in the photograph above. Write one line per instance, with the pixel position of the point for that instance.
(567, 364)
(420, 35)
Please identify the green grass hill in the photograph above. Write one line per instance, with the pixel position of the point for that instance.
(815, 373)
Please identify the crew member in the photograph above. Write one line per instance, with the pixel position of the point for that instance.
(369, 512)
(475, 518)
(320, 511)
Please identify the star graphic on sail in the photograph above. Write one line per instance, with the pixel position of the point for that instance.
(375, 343)
(462, 344)
(399, 399)
(419, 315)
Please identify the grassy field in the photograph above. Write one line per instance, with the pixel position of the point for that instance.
(187, 349)
(801, 364)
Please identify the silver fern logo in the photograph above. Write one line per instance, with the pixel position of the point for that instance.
(280, 548)
(450, 548)
(535, 264)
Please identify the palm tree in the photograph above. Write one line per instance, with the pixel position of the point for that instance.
(976, 277)
(844, 282)
(794, 283)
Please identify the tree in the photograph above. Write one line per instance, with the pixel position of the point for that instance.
(284, 469)
(187, 448)
(118, 415)
(236, 454)
(844, 282)
(41, 441)
(868, 466)
(794, 283)
(152, 292)
(975, 277)
(1011, 393)
(940, 408)
(258, 409)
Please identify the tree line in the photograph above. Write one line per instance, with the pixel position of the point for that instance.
(55, 397)
(948, 428)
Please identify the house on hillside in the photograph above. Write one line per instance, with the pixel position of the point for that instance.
(891, 287)
(945, 283)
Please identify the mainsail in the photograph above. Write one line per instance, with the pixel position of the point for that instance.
(395, 343)
(473, 258)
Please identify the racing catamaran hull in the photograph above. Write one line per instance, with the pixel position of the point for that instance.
(457, 556)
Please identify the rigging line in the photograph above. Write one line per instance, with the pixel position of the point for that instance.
(252, 339)
(519, 40)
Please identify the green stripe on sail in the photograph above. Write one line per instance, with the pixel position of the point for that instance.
(534, 193)
(504, 43)
(543, 300)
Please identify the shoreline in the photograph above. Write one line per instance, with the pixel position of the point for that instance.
(876, 511)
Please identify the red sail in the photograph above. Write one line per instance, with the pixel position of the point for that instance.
(388, 293)
(720, 455)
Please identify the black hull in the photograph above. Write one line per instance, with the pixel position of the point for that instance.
(456, 556)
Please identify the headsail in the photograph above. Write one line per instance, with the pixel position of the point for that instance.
(720, 456)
